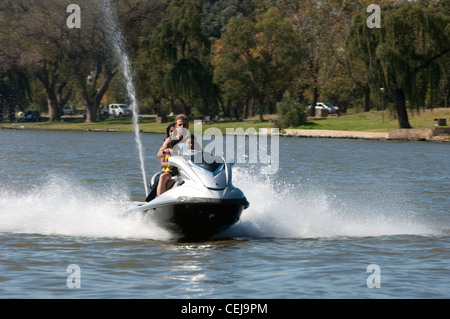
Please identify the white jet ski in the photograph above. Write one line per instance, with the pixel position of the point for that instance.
(203, 200)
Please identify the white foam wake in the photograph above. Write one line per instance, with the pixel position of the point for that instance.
(306, 211)
(61, 206)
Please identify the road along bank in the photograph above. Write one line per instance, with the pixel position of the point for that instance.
(437, 134)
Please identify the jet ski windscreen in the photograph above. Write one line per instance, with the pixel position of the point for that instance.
(207, 161)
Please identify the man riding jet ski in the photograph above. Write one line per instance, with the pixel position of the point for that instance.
(199, 200)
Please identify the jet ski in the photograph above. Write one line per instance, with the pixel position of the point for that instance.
(202, 201)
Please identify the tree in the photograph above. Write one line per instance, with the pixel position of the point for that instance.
(314, 21)
(275, 56)
(92, 57)
(360, 56)
(291, 112)
(216, 14)
(33, 37)
(36, 37)
(14, 91)
(445, 81)
(413, 41)
(231, 61)
(256, 59)
(406, 55)
(179, 57)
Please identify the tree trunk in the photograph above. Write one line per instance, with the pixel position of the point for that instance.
(262, 109)
(253, 108)
(61, 98)
(447, 98)
(55, 98)
(54, 113)
(313, 67)
(366, 98)
(246, 107)
(11, 112)
(187, 110)
(48, 81)
(91, 112)
(315, 96)
(2, 102)
(92, 104)
(222, 106)
(400, 106)
(172, 101)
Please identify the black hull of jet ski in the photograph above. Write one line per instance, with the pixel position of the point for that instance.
(198, 219)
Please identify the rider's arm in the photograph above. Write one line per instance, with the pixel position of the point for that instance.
(164, 149)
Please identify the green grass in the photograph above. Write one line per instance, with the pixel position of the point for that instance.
(372, 121)
(146, 124)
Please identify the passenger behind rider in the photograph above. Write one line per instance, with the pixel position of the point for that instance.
(191, 144)
(164, 164)
(165, 180)
(169, 130)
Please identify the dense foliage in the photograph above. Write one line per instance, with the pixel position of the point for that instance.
(227, 56)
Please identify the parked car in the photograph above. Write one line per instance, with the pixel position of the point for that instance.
(31, 116)
(116, 110)
(68, 110)
(325, 106)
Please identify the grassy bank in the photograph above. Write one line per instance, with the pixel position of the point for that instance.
(373, 121)
(369, 122)
(146, 124)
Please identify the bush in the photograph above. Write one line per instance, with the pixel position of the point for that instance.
(291, 112)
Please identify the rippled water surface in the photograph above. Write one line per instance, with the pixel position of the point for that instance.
(333, 208)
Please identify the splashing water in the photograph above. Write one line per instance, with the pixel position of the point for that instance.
(117, 41)
(307, 211)
(64, 206)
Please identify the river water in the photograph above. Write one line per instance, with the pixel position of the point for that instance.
(339, 219)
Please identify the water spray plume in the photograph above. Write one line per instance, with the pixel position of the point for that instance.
(117, 41)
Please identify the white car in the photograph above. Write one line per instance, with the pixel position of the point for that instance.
(68, 110)
(325, 106)
(116, 110)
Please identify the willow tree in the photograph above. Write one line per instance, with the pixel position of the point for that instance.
(180, 53)
(360, 56)
(413, 40)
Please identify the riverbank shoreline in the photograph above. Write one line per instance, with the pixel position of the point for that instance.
(433, 135)
(368, 125)
(436, 135)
